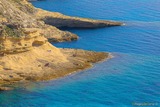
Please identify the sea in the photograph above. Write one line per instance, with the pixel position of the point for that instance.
(131, 78)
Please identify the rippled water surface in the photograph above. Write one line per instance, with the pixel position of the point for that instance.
(132, 76)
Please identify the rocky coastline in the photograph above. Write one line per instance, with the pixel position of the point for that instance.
(25, 51)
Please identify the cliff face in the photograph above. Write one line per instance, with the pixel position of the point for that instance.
(13, 45)
(21, 14)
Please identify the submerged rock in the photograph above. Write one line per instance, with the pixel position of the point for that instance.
(5, 88)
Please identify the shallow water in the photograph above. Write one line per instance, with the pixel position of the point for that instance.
(132, 76)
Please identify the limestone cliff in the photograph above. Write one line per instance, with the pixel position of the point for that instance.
(21, 14)
(13, 45)
(32, 57)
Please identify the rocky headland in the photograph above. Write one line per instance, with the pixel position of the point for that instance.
(59, 20)
(25, 51)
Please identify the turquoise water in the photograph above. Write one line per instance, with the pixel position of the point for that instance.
(132, 76)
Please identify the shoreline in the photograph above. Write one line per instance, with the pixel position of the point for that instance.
(70, 61)
(10, 86)
(26, 54)
(87, 68)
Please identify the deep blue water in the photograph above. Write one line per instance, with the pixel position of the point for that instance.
(132, 76)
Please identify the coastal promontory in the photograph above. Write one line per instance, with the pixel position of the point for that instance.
(25, 50)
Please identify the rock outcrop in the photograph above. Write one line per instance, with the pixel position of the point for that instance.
(45, 62)
(21, 14)
(24, 15)
(13, 45)
(32, 57)
(59, 20)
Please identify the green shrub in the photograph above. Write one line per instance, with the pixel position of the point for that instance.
(11, 32)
